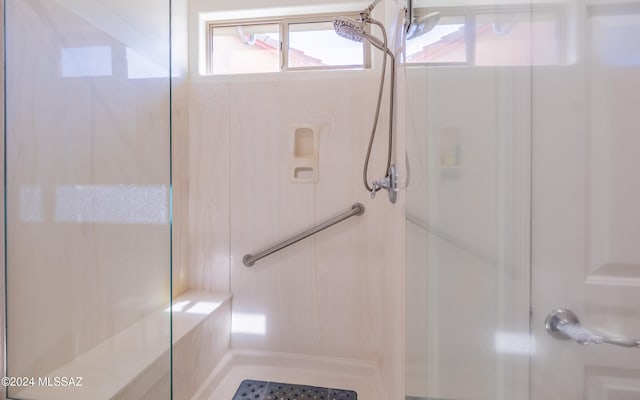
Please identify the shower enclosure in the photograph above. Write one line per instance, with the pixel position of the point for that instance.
(87, 190)
(522, 146)
(132, 194)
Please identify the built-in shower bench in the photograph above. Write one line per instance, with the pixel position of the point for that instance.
(136, 362)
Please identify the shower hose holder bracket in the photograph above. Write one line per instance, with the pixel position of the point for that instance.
(389, 182)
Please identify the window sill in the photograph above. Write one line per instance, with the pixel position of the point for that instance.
(289, 76)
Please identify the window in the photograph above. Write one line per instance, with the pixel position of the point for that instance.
(281, 44)
(491, 36)
(445, 43)
(244, 49)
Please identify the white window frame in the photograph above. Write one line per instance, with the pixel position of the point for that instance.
(283, 23)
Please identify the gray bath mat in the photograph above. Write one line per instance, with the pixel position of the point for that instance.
(260, 390)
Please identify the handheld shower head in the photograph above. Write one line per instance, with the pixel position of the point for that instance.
(348, 29)
(354, 30)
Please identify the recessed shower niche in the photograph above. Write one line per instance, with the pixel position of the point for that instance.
(303, 161)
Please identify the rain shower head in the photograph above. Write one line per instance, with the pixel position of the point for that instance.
(354, 30)
(423, 25)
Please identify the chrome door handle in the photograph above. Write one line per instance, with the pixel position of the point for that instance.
(563, 324)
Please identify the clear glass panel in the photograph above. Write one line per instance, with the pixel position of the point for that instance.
(586, 193)
(317, 45)
(245, 49)
(612, 45)
(467, 304)
(88, 199)
(504, 38)
(445, 43)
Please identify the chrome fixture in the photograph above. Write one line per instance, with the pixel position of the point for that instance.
(563, 324)
(250, 259)
(390, 183)
(408, 19)
(415, 26)
(422, 25)
(357, 30)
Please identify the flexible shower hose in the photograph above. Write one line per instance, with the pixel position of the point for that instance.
(386, 52)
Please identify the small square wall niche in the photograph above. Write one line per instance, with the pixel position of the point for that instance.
(303, 143)
(303, 155)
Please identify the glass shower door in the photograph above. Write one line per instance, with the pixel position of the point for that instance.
(468, 143)
(87, 185)
(586, 221)
(522, 213)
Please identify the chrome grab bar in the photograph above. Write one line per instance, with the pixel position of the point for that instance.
(563, 324)
(250, 259)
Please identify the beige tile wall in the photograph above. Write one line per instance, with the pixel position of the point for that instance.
(209, 188)
(180, 145)
(180, 183)
(324, 295)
